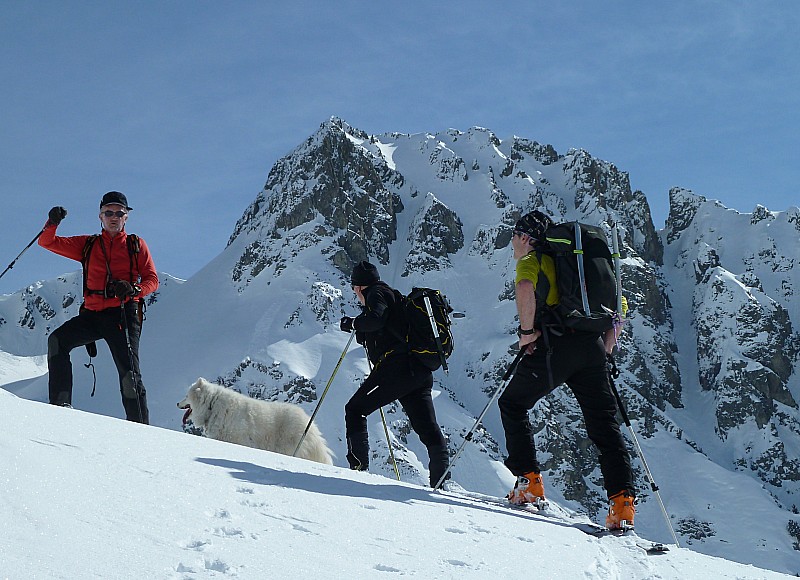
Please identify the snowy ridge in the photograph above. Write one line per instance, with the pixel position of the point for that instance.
(437, 210)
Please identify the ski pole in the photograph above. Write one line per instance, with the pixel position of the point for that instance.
(385, 427)
(616, 257)
(581, 275)
(618, 319)
(495, 396)
(389, 444)
(612, 372)
(324, 392)
(25, 249)
(136, 389)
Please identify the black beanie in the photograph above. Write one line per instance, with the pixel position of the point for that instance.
(115, 197)
(364, 274)
(534, 224)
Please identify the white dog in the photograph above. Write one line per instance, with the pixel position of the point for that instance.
(229, 416)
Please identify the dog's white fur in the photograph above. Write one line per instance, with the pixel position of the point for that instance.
(229, 416)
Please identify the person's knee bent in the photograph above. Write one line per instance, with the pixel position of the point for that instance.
(354, 416)
(54, 347)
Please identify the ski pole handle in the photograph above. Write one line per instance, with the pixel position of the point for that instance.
(513, 366)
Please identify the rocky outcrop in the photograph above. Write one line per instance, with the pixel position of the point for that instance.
(435, 235)
(746, 344)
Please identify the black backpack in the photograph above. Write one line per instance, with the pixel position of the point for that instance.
(585, 278)
(432, 350)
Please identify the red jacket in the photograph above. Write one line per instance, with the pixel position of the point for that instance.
(119, 261)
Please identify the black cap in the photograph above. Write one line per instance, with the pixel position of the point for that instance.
(364, 274)
(115, 197)
(534, 224)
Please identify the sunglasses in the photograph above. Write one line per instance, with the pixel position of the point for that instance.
(108, 213)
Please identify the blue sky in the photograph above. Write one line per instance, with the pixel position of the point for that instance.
(186, 105)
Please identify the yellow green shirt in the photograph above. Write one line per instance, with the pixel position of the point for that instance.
(528, 268)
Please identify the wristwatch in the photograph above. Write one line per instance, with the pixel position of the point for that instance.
(521, 331)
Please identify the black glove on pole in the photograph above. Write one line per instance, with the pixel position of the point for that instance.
(123, 289)
(346, 324)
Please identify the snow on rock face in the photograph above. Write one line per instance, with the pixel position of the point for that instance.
(741, 270)
(332, 182)
(435, 234)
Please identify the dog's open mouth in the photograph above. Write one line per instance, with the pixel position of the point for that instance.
(186, 414)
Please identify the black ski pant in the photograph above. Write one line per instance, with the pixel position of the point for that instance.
(579, 360)
(405, 380)
(88, 327)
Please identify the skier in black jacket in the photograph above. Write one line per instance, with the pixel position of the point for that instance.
(395, 374)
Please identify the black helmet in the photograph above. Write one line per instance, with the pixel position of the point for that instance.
(534, 224)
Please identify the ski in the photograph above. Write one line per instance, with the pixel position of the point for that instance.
(545, 513)
(537, 512)
(654, 548)
(589, 528)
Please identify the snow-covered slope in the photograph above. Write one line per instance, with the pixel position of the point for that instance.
(87, 496)
(712, 400)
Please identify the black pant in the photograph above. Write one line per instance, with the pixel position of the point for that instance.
(579, 361)
(403, 379)
(90, 326)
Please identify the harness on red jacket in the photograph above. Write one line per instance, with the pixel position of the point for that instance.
(132, 241)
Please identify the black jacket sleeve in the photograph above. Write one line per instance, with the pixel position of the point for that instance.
(375, 313)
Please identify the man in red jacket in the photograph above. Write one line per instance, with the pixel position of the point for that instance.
(118, 272)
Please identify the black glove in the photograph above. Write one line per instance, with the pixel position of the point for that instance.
(346, 324)
(123, 289)
(57, 214)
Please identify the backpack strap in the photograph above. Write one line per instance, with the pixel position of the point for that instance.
(132, 241)
(399, 302)
(87, 250)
